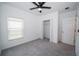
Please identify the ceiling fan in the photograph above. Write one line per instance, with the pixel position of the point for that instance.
(39, 6)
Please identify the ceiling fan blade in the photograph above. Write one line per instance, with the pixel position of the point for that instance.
(42, 3)
(46, 7)
(35, 3)
(33, 8)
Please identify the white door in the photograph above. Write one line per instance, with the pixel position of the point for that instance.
(68, 26)
(46, 29)
(0, 40)
(77, 37)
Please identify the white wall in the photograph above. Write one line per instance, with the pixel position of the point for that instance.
(65, 15)
(31, 26)
(53, 17)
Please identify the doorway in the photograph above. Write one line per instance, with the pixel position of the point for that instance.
(46, 29)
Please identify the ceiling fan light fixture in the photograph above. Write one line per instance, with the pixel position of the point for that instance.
(39, 9)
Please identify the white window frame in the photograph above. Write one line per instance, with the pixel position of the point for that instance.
(17, 19)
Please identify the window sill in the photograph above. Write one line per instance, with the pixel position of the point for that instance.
(15, 39)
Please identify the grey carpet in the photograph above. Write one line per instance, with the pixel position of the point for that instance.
(40, 48)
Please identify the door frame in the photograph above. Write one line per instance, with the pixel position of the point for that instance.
(43, 28)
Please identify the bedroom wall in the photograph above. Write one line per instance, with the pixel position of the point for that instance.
(31, 26)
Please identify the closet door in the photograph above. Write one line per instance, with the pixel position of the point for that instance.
(68, 28)
(47, 29)
(77, 37)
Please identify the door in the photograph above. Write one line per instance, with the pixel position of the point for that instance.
(46, 29)
(77, 37)
(68, 27)
(0, 41)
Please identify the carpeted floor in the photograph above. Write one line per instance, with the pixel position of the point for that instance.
(40, 48)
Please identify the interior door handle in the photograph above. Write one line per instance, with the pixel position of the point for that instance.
(78, 30)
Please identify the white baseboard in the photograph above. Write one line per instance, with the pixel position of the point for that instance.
(19, 44)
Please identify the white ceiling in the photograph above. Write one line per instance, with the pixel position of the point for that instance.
(56, 6)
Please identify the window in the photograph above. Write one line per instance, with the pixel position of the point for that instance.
(15, 28)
